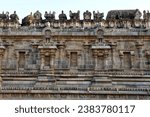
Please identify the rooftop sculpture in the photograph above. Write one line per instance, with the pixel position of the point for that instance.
(114, 19)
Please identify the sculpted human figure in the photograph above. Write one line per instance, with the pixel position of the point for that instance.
(62, 16)
(38, 17)
(98, 16)
(30, 18)
(14, 17)
(49, 16)
(144, 15)
(4, 17)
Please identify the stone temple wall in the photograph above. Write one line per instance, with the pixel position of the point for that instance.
(76, 59)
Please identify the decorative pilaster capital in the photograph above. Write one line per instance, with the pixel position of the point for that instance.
(139, 44)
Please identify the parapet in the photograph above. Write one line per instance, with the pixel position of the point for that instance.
(127, 19)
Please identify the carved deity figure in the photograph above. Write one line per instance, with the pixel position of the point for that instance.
(14, 17)
(87, 15)
(49, 16)
(74, 16)
(62, 16)
(4, 17)
(137, 14)
(28, 20)
(37, 17)
(100, 36)
(146, 15)
(98, 16)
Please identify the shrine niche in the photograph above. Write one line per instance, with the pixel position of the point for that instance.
(47, 60)
(127, 60)
(21, 60)
(73, 59)
(47, 35)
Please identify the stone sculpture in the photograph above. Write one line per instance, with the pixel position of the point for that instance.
(123, 14)
(49, 16)
(98, 16)
(62, 16)
(74, 16)
(87, 15)
(14, 17)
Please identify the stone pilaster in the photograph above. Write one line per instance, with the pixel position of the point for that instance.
(121, 60)
(79, 59)
(52, 62)
(61, 47)
(132, 59)
(2, 48)
(105, 60)
(42, 61)
(0, 71)
(95, 59)
(113, 49)
(86, 54)
(35, 47)
(139, 46)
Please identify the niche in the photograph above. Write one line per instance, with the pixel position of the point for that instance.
(21, 59)
(127, 60)
(73, 59)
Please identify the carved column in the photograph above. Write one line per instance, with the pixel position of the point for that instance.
(17, 60)
(26, 59)
(105, 60)
(86, 54)
(113, 47)
(121, 60)
(95, 59)
(0, 70)
(61, 48)
(139, 46)
(42, 60)
(52, 62)
(35, 47)
(132, 59)
(2, 48)
(147, 55)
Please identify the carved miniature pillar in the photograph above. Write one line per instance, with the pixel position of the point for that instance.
(2, 48)
(26, 59)
(79, 59)
(96, 59)
(17, 58)
(61, 47)
(121, 61)
(86, 54)
(132, 60)
(105, 60)
(42, 60)
(139, 46)
(35, 46)
(52, 62)
(0, 70)
(68, 57)
(113, 47)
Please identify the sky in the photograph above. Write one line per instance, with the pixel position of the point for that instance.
(24, 7)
